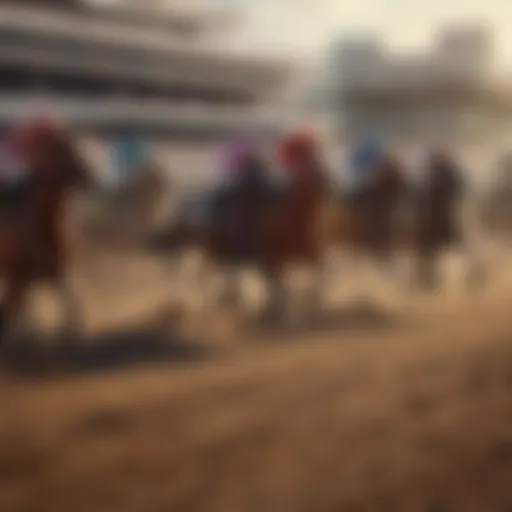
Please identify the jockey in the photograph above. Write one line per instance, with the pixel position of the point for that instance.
(363, 162)
(128, 156)
(28, 137)
(444, 174)
(242, 164)
(299, 156)
(20, 149)
(297, 148)
(235, 206)
(27, 134)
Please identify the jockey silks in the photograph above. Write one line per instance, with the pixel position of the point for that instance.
(127, 155)
(364, 160)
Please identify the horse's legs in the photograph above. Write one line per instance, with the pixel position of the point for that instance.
(277, 296)
(188, 270)
(12, 309)
(427, 270)
(323, 274)
(477, 271)
(230, 296)
(72, 321)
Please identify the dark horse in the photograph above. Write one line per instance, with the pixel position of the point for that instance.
(368, 220)
(224, 224)
(258, 223)
(436, 224)
(390, 215)
(235, 234)
(32, 246)
(293, 229)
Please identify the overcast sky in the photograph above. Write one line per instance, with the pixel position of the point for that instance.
(304, 26)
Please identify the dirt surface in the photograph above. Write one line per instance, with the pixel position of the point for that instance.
(411, 414)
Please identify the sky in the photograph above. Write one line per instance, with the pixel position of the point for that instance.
(305, 26)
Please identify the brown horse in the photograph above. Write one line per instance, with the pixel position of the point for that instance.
(437, 225)
(391, 216)
(32, 246)
(292, 231)
(260, 226)
(368, 222)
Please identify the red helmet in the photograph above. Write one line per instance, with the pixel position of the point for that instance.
(27, 136)
(296, 147)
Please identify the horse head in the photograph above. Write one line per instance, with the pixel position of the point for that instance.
(52, 157)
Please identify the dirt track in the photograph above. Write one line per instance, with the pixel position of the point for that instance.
(412, 416)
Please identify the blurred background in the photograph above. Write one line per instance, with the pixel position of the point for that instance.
(160, 68)
(187, 74)
(385, 400)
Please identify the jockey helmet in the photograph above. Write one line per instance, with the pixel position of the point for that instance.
(296, 147)
(367, 154)
(372, 144)
(237, 152)
(28, 135)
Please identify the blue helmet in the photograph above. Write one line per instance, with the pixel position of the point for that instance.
(370, 151)
(372, 144)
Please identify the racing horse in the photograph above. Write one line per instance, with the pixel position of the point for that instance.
(393, 216)
(367, 222)
(293, 227)
(437, 224)
(263, 225)
(223, 223)
(32, 244)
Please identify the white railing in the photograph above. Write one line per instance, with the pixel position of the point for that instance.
(121, 110)
(171, 70)
(80, 27)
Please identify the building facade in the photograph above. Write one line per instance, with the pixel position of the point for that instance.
(450, 91)
(131, 69)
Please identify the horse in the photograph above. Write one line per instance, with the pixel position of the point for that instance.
(438, 225)
(392, 216)
(32, 244)
(293, 232)
(362, 223)
(367, 220)
(495, 203)
(258, 224)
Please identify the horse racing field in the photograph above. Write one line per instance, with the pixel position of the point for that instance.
(407, 413)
